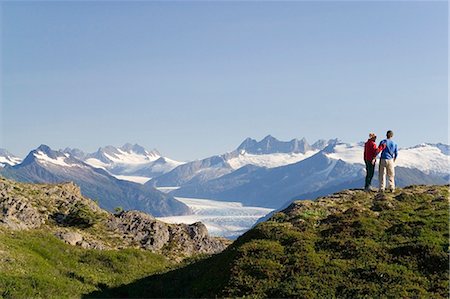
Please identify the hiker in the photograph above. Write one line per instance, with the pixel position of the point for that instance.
(370, 155)
(389, 154)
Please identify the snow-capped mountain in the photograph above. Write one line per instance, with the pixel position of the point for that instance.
(338, 166)
(271, 145)
(132, 155)
(44, 165)
(260, 173)
(129, 162)
(194, 172)
(269, 153)
(266, 187)
(6, 158)
(426, 157)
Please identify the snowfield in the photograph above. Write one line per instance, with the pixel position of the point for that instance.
(224, 219)
(425, 157)
(350, 153)
(9, 161)
(268, 160)
(60, 161)
(133, 178)
(124, 157)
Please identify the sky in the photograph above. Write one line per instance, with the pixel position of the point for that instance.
(194, 79)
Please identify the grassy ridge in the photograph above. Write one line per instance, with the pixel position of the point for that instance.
(350, 245)
(35, 264)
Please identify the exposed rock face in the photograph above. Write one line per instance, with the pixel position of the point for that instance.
(147, 232)
(79, 221)
(16, 212)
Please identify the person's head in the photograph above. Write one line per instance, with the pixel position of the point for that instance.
(372, 136)
(389, 134)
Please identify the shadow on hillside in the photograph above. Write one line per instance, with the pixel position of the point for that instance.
(204, 278)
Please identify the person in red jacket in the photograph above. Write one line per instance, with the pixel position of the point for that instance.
(371, 151)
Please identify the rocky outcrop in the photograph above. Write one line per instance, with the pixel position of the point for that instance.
(145, 231)
(15, 211)
(79, 221)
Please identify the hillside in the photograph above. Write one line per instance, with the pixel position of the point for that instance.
(56, 243)
(351, 244)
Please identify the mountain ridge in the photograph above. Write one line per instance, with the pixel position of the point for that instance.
(43, 165)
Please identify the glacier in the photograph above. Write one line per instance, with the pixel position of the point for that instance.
(222, 219)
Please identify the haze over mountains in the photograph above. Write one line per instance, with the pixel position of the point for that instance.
(266, 173)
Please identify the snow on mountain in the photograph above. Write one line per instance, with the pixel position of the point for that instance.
(428, 158)
(271, 187)
(96, 163)
(158, 167)
(133, 178)
(350, 153)
(6, 158)
(128, 154)
(129, 161)
(268, 160)
(45, 156)
(425, 157)
(338, 166)
(269, 152)
(44, 165)
(60, 161)
(271, 145)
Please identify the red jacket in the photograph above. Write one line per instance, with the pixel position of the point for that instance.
(370, 150)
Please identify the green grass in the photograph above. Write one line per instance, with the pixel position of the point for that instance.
(355, 245)
(35, 264)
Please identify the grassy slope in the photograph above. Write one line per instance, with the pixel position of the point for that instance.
(351, 245)
(38, 265)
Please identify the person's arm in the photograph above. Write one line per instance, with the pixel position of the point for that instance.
(375, 153)
(395, 153)
(381, 147)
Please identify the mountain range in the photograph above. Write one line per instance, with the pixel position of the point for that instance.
(128, 160)
(6, 158)
(268, 173)
(44, 165)
(337, 166)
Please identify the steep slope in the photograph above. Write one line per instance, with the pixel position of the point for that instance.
(55, 243)
(349, 245)
(44, 165)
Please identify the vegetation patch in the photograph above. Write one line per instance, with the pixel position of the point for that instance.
(336, 247)
(35, 264)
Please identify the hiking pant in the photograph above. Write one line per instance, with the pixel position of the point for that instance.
(387, 166)
(370, 169)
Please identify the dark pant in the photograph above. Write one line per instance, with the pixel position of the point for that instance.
(370, 169)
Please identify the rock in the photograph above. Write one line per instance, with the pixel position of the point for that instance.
(68, 214)
(71, 238)
(17, 213)
(147, 232)
(198, 231)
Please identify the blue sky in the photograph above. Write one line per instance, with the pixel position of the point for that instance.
(196, 78)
